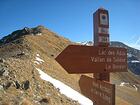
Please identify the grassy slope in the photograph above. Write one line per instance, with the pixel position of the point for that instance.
(50, 44)
(22, 68)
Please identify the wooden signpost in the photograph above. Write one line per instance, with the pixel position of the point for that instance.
(99, 59)
(93, 59)
(101, 92)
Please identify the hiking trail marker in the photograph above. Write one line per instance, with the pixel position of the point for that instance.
(99, 59)
(92, 59)
(100, 92)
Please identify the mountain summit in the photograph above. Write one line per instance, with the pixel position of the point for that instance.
(26, 53)
(20, 33)
(21, 54)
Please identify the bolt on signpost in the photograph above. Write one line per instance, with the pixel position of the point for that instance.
(99, 59)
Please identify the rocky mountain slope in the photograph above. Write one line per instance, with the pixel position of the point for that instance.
(20, 82)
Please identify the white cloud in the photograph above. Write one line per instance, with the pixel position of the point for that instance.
(136, 46)
(134, 42)
(137, 42)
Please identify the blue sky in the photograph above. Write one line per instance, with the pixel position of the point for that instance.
(72, 18)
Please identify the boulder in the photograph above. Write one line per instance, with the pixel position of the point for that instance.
(7, 85)
(44, 100)
(2, 72)
(25, 85)
(17, 84)
(1, 87)
(2, 60)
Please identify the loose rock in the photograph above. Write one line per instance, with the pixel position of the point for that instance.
(1, 87)
(17, 84)
(44, 100)
(2, 60)
(25, 85)
(7, 85)
(1, 72)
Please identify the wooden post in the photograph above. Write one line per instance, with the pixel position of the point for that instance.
(101, 36)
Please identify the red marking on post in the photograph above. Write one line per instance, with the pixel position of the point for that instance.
(101, 28)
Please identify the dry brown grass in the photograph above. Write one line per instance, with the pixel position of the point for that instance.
(120, 101)
(26, 102)
(6, 103)
(49, 44)
(46, 45)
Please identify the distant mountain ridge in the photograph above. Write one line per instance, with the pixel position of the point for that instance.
(131, 50)
(133, 56)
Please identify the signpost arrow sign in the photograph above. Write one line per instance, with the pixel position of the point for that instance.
(101, 92)
(93, 59)
(85, 84)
